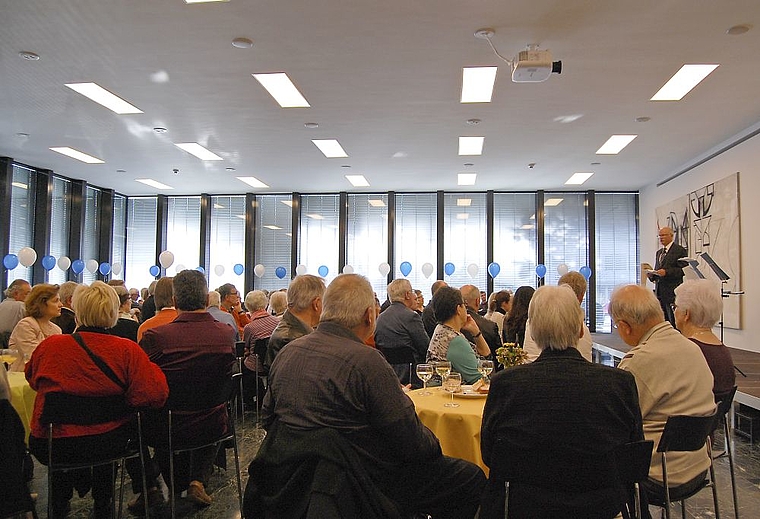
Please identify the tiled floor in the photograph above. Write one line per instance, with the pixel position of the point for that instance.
(223, 487)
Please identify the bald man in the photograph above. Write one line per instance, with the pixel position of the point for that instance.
(668, 272)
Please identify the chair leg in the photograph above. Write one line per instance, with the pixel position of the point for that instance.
(665, 483)
(506, 499)
(171, 470)
(712, 481)
(683, 509)
(730, 451)
(637, 501)
(237, 466)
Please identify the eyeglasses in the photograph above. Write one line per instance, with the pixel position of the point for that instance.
(673, 307)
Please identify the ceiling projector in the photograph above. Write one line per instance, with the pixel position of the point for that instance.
(534, 66)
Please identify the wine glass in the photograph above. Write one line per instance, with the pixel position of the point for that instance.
(451, 384)
(9, 356)
(443, 368)
(425, 373)
(485, 367)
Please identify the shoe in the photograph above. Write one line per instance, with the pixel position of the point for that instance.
(137, 505)
(196, 493)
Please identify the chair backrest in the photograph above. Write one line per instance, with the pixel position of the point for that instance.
(211, 393)
(260, 347)
(65, 408)
(724, 401)
(398, 355)
(686, 433)
(633, 460)
(240, 349)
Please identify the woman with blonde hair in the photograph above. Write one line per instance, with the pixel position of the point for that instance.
(42, 305)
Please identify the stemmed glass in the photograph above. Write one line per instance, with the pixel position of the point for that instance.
(9, 356)
(425, 373)
(443, 368)
(485, 367)
(451, 384)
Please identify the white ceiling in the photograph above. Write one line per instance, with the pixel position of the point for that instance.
(383, 78)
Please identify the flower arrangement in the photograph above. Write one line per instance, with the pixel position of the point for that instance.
(510, 355)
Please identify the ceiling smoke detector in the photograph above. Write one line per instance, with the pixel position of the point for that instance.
(29, 56)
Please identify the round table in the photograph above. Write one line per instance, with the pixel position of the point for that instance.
(457, 428)
(22, 398)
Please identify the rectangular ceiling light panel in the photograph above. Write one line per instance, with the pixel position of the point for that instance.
(477, 84)
(553, 202)
(464, 202)
(466, 179)
(76, 154)
(615, 144)
(357, 180)
(578, 178)
(471, 145)
(330, 148)
(193, 148)
(153, 183)
(683, 82)
(253, 182)
(283, 90)
(376, 202)
(105, 98)
(272, 227)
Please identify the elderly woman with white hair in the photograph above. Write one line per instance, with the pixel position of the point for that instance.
(697, 308)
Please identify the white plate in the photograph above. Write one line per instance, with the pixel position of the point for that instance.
(468, 392)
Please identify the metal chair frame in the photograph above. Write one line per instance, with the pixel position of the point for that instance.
(725, 402)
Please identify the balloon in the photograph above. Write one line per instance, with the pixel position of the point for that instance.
(562, 269)
(77, 266)
(406, 268)
(27, 256)
(179, 268)
(166, 259)
(48, 262)
(472, 270)
(280, 272)
(92, 266)
(154, 270)
(348, 269)
(64, 262)
(427, 269)
(10, 261)
(259, 270)
(105, 268)
(384, 268)
(323, 270)
(201, 270)
(300, 270)
(494, 269)
(238, 268)
(449, 268)
(585, 272)
(541, 271)
(219, 270)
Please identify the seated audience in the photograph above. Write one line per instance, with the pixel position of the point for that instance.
(514, 324)
(698, 306)
(498, 307)
(214, 302)
(12, 309)
(231, 303)
(42, 305)
(488, 328)
(564, 414)
(448, 343)
(126, 326)
(428, 316)
(278, 303)
(672, 377)
(60, 364)
(164, 301)
(420, 302)
(66, 321)
(148, 309)
(369, 419)
(256, 335)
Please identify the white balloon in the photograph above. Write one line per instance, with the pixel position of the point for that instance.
(384, 269)
(259, 270)
(64, 262)
(115, 269)
(219, 270)
(301, 270)
(27, 256)
(472, 270)
(562, 269)
(179, 268)
(166, 259)
(348, 269)
(427, 269)
(92, 266)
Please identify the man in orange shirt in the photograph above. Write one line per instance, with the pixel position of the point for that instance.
(164, 298)
(231, 303)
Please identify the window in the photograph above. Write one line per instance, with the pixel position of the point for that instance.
(183, 232)
(367, 246)
(119, 236)
(416, 238)
(141, 241)
(90, 235)
(464, 224)
(273, 246)
(514, 240)
(319, 235)
(22, 219)
(60, 225)
(227, 243)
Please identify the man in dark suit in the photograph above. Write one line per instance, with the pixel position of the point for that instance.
(560, 416)
(668, 272)
(428, 316)
(489, 329)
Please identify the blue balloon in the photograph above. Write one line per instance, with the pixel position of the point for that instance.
(238, 268)
(154, 270)
(280, 272)
(48, 262)
(201, 270)
(10, 261)
(105, 268)
(585, 272)
(449, 268)
(494, 269)
(323, 270)
(77, 266)
(406, 268)
(541, 271)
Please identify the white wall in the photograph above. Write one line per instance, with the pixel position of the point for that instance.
(744, 158)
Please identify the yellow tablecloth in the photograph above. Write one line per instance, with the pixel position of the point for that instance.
(457, 428)
(22, 398)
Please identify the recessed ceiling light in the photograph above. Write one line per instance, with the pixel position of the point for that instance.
(682, 82)
(466, 179)
(75, 154)
(288, 203)
(736, 30)
(400, 155)
(532, 217)
(464, 202)
(477, 84)
(552, 202)
(471, 145)
(527, 226)
(376, 202)
(105, 98)
(19, 185)
(473, 122)
(357, 180)
(193, 148)
(283, 90)
(315, 216)
(242, 43)
(615, 144)
(241, 216)
(331, 148)
(273, 227)
(252, 181)
(311, 126)
(159, 129)
(29, 56)
(153, 183)
(462, 216)
(218, 206)
(578, 178)
(565, 119)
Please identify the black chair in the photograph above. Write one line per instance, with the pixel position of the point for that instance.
(222, 394)
(16, 497)
(68, 409)
(402, 361)
(686, 434)
(632, 462)
(725, 402)
(240, 356)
